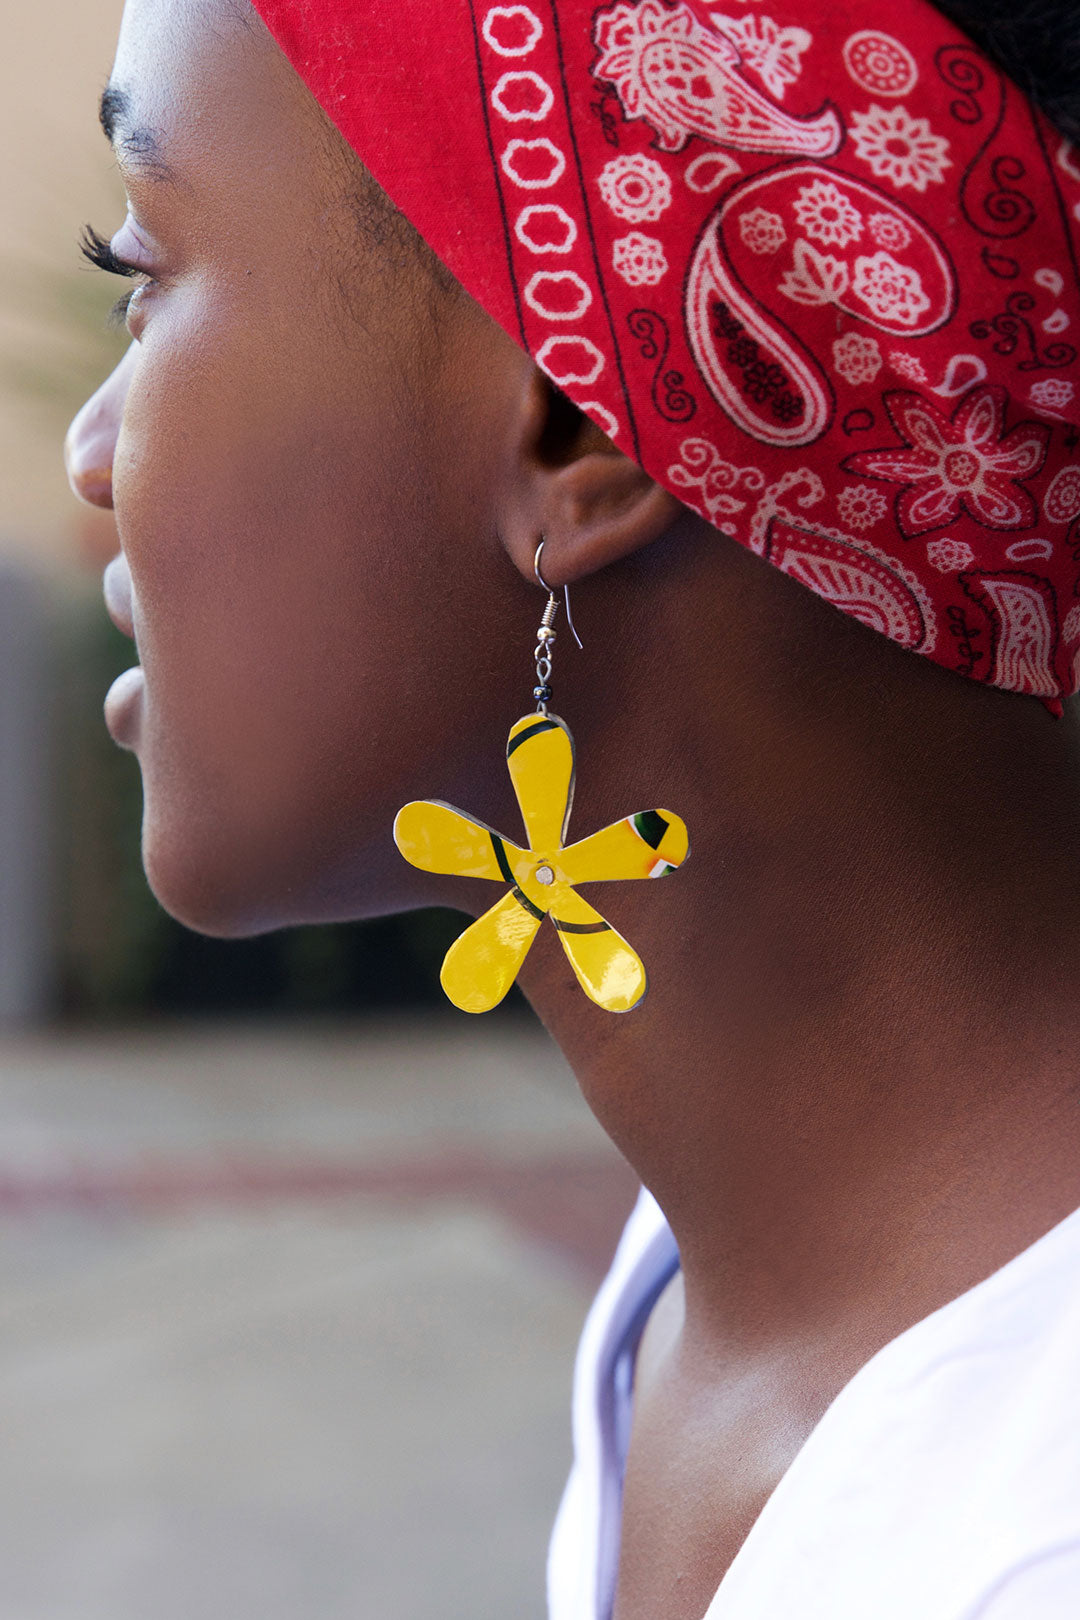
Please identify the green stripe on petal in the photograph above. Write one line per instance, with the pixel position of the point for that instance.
(624, 851)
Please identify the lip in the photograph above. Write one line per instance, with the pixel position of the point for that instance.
(123, 701)
(116, 586)
(123, 707)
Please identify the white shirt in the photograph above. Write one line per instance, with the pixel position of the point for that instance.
(943, 1483)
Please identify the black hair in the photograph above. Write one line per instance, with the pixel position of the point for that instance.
(1036, 42)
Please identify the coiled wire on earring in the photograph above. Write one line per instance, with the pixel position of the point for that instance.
(545, 635)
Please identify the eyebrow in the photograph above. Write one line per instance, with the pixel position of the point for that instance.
(138, 144)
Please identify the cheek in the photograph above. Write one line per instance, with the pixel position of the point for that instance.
(287, 529)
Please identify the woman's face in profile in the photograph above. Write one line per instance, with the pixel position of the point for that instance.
(303, 447)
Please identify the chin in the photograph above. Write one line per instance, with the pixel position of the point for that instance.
(203, 889)
(215, 872)
(233, 883)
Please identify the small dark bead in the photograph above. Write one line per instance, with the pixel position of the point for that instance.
(542, 694)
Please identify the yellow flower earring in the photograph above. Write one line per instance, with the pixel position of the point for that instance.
(481, 965)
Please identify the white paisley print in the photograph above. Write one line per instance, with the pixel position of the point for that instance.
(908, 366)
(817, 278)
(1052, 393)
(857, 358)
(860, 507)
(686, 77)
(762, 231)
(1061, 503)
(827, 216)
(635, 187)
(639, 259)
(891, 292)
(950, 556)
(772, 52)
(713, 479)
(966, 462)
(879, 63)
(900, 148)
(889, 232)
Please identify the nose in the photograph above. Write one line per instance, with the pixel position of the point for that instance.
(91, 438)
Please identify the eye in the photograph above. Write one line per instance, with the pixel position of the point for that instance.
(94, 247)
(118, 314)
(103, 256)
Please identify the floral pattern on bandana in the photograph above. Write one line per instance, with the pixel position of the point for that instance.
(900, 148)
(790, 265)
(962, 463)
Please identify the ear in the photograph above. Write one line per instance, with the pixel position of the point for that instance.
(573, 486)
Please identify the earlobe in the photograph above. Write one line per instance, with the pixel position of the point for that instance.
(573, 485)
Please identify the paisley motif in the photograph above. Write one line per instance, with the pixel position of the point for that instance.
(853, 577)
(683, 76)
(1023, 632)
(823, 256)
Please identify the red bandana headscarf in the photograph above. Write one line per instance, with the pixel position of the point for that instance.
(819, 279)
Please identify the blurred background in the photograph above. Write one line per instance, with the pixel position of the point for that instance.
(293, 1259)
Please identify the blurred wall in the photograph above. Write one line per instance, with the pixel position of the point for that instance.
(55, 174)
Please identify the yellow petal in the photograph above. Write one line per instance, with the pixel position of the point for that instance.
(437, 838)
(483, 963)
(540, 757)
(649, 844)
(608, 970)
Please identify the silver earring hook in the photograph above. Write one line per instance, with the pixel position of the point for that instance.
(566, 593)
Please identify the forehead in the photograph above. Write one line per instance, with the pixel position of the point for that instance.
(196, 74)
(179, 33)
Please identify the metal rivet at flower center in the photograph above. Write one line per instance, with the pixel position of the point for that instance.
(544, 874)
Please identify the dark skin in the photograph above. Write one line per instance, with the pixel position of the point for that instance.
(852, 1086)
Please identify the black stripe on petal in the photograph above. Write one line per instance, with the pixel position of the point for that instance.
(500, 855)
(523, 900)
(530, 731)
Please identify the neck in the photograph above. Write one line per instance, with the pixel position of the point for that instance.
(852, 1084)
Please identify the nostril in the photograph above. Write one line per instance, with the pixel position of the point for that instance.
(94, 485)
(88, 451)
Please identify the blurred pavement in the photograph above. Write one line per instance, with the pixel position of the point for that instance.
(287, 1319)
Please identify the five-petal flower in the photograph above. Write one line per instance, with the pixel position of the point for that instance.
(958, 463)
(481, 965)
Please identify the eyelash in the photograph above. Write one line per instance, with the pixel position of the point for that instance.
(99, 252)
